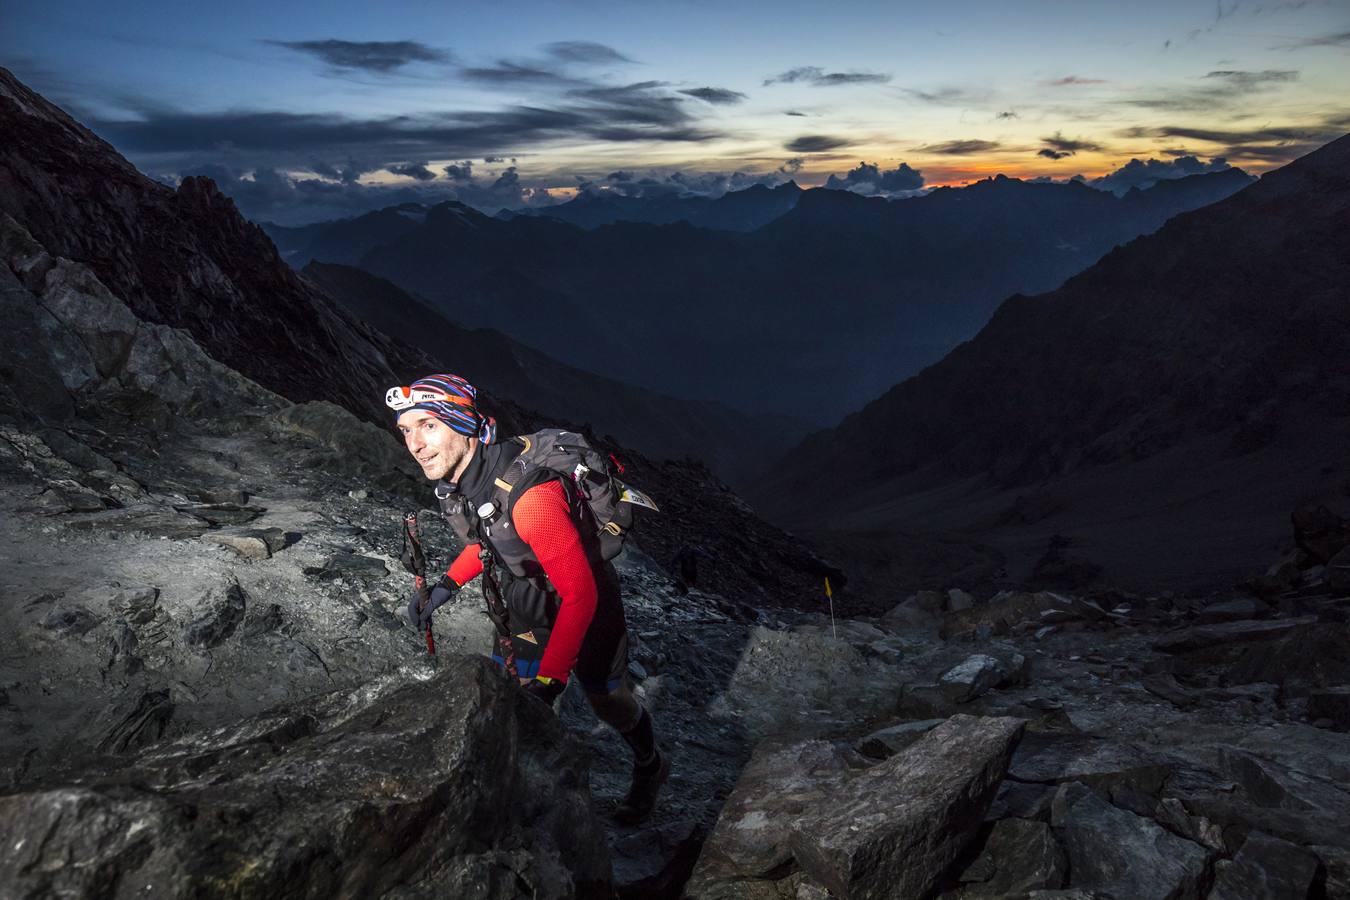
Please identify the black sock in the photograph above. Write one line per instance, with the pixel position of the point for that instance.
(642, 739)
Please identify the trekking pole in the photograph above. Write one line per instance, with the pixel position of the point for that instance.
(415, 561)
(829, 594)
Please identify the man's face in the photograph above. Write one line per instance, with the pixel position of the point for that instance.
(437, 448)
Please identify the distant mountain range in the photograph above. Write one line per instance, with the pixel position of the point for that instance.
(1168, 407)
(743, 210)
(810, 315)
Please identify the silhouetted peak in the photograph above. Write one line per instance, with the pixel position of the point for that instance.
(201, 192)
(454, 211)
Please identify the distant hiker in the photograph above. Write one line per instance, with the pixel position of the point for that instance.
(686, 567)
(552, 595)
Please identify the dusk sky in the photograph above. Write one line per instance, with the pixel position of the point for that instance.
(330, 106)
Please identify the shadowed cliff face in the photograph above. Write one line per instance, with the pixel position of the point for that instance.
(1200, 370)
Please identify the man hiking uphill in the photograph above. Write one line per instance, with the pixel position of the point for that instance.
(551, 593)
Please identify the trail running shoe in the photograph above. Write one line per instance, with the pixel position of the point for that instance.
(641, 800)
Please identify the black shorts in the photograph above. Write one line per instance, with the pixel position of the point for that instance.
(602, 662)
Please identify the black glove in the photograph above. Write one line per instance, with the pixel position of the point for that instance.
(546, 690)
(426, 601)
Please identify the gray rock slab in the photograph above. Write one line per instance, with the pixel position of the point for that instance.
(139, 605)
(1336, 861)
(924, 701)
(1172, 813)
(1054, 758)
(1243, 608)
(1265, 866)
(250, 543)
(223, 513)
(895, 829)
(1120, 854)
(886, 742)
(972, 677)
(1230, 633)
(223, 609)
(70, 619)
(132, 725)
(1164, 685)
(439, 788)
(346, 564)
(1023, 801)
(778, 785)
(1019, 856)
(153, 521)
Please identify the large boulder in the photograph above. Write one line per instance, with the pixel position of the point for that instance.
(459, 785)
(1119, 854)
(777, 786)
(1110, 766)
(1264, 867)
(978, 673)
(889, 830)
(895, 829)
(1019, 856)
(1206, 636)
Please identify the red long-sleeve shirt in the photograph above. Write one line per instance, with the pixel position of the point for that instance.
(544, 521)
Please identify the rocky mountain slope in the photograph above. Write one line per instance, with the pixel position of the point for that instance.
(185, 258)
(809, 316)
(735, 445)
(1166, 408)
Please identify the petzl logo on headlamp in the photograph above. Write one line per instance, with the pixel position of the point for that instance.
(399, 398)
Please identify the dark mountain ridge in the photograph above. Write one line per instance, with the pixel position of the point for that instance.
(344, 241)
(660, 426)
(1204, 366)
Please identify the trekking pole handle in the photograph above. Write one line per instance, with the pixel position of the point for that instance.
(419, 576)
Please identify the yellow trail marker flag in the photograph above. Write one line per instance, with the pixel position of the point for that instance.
(829, 595)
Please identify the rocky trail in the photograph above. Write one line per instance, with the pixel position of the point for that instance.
(227, 639)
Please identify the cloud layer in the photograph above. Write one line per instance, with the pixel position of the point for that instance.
(371, 56)
(817, 76)
(1144, 174)
(869, 180)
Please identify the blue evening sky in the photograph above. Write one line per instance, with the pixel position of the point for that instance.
(557, 95)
